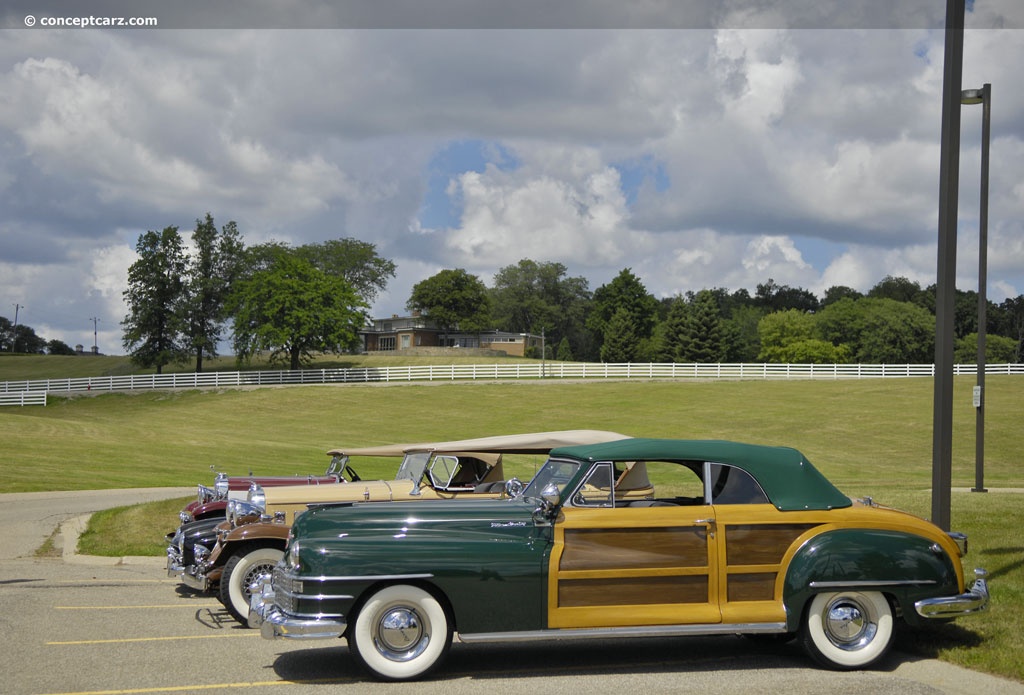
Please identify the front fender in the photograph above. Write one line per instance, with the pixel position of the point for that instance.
(259, 531)
(902, 565)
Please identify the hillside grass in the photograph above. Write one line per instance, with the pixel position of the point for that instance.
(23, 367)
(870, 437)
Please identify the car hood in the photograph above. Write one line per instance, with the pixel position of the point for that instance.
(405, 519)
(361, 491)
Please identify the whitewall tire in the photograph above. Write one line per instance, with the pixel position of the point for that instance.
(240, 571)
(848, 630)
(402, 632)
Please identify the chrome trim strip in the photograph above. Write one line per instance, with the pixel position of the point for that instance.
(611, 632)
(872, 583)
(357, 578)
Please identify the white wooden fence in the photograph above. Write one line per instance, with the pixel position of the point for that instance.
(23, 398)
(472, 372)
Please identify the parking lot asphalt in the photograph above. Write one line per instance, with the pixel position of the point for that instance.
(85, 626)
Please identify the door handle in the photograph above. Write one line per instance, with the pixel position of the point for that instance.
(710, 523)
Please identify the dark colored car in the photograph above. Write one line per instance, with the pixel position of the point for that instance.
(213, 501)
(252, 539)
(732, 539)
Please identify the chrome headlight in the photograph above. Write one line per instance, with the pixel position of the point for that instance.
(238, 509)
(257, 497)
(220, 485)
(291, 559)
(185, 517)
(200, 553)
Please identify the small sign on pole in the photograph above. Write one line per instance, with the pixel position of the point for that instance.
(977, 396)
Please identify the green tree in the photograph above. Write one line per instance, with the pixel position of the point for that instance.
(702, 331)
(154, 328)
(355, 261)
(739, 334)
(452, 299)
(772, 296)
(781, 329)
(998, 349)
(836, 292)
(672, 332)
(531, 296)
(212, 268)
(294, 310)
(895, 332)
(627, 293)
(58, 347)
(900, 289)
(620, 338)
(564, 352)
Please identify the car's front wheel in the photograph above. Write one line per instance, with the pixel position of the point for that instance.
(848, 630)
(240, 571)
(402, 632)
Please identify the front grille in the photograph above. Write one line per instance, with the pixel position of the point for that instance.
(284, 589)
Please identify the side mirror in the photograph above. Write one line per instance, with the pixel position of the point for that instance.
(551, 495)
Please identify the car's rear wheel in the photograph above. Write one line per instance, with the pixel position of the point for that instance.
(402, 632)
(240, 571)
(848, 630)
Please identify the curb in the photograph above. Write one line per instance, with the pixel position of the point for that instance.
(67, 538)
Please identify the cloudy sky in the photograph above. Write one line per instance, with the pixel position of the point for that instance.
(702, 144)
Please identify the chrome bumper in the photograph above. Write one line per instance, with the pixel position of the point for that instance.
(202, 577)
(174, 566)
(273, 623)
(974, 601)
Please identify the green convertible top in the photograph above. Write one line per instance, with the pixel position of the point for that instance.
(791, 482)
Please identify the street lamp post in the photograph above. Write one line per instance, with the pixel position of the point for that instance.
(14, 338)
(949, 178)
(981, 96)
(95, 345)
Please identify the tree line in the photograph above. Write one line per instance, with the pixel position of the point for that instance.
(292, 303)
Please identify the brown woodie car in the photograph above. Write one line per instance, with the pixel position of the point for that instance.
(255, 533)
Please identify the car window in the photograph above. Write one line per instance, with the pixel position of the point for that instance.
(551, 478)
(448, 472)
(641, 484)
(731, 485)
(597, 489)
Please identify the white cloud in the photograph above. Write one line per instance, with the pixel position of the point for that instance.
(759, 145)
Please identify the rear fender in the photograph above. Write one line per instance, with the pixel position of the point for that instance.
(904, 566)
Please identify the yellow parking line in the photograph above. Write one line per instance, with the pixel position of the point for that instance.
(115, 608)
(211, 686)
(151, 639)
(117, 581)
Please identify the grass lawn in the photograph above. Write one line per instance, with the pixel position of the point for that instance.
(870, 437)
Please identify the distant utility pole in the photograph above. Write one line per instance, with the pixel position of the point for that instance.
(95, 347)
(14, 345)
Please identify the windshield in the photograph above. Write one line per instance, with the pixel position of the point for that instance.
(413, 466)
(553, 475)
(337, 465)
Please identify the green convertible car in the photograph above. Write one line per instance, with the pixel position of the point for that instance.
(731, 539)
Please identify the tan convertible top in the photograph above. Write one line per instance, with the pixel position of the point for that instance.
(528, 443)
(383, 450)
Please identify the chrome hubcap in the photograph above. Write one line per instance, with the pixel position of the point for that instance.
(848, 625)
(401, 634)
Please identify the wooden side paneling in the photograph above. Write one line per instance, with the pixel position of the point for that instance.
(760, 544)
(757, 586)
(632, 591)
(636, 548)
